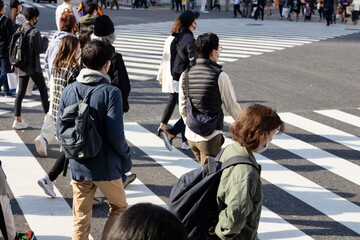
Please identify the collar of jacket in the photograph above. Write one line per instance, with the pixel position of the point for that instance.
(87, 75)
(208, 61)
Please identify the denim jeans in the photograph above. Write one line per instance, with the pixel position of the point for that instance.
(5, 68)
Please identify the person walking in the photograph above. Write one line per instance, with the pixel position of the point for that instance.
(64, 71)
(86, 22)
(37, 45)
(103, 171)
(68, 27)
(355, 12)
(204, 89)
(182, 56)
(6, 31)
(237, 8)
(170, 86)
(328, 11)
(239, 196)
(65, 7)
(104, 31)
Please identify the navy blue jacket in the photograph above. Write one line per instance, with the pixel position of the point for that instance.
(107, 111)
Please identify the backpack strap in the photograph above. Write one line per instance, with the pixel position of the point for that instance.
(89, 93)
(237, 159)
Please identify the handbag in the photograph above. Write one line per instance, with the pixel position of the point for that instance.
(285, 11)
(347, 12)
(12, 79)
(253, 11)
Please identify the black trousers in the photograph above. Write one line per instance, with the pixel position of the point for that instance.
(39, 81)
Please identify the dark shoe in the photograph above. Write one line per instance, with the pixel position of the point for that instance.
(129, 179)
(25, 236)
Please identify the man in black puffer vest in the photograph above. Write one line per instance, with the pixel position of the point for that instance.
(204, 88)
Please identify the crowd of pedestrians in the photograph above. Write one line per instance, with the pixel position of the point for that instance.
(79, 63)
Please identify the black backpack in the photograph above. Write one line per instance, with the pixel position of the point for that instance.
(193, 198)
(19, 48)
(79, 137)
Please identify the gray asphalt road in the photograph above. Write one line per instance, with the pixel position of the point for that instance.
(317, 76)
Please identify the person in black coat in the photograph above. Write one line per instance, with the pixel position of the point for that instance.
(6, 31)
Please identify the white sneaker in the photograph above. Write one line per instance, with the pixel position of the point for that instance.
(185, 146)
(41, 146)
(19, 125)
(47, 186)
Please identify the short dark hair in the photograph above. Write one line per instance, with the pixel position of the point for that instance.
(146, 221)
(31, 12)
(90, 7)
(254, 121)
(205, 43)
(96, 54)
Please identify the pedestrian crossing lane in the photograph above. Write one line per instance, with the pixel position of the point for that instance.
(141, 44)
(272, 225)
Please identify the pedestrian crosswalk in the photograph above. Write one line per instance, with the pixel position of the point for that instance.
(142, 44)
(310, 177)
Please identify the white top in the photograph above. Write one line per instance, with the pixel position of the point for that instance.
(62, 8)
(228, 100)
(164, 74)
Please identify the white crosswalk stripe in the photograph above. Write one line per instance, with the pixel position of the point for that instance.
(320, 195)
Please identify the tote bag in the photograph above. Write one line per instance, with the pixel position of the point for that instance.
(285, 11)
(12, 81)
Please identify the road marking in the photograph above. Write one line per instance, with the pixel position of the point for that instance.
(330, 162)
(43, 214)
(341, 116)
(333, 134)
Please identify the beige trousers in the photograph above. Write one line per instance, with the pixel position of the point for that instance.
(83, 194)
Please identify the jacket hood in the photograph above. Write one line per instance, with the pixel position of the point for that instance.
(87, 20)
(87, 75)
(59, 35)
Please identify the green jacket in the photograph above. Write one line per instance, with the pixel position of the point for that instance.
(239, 197)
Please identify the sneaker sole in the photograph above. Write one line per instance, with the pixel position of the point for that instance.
(166, 141)
(39, 149)
(45, 189)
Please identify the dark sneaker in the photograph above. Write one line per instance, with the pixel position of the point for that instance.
(129, 179)
(26, 235)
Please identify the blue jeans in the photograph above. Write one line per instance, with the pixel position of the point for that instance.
(5, 68)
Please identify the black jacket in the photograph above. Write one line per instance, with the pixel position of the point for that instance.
(186, 43)
(37, 45)
(119, 78)
(6, 31)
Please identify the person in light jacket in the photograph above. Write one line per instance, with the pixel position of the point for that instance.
(239, 196)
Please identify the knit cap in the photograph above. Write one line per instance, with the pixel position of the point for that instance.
(103, 26)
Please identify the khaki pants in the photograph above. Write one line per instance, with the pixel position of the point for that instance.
(83, 194)
(206, 148)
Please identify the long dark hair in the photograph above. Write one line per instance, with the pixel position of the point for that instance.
(66, 56)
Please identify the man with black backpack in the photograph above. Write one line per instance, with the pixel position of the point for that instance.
(32, 45)
(6, 31)
(104, 169)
